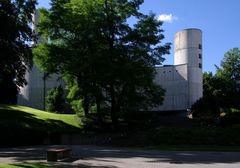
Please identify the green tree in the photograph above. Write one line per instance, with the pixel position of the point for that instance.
(222, 89)
(15, 53)
(55, 100)
(91, 42)
(230, 65)
(229, 72)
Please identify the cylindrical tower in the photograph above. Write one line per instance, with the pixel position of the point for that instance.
(188, 50)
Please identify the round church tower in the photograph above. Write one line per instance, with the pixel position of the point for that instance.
(188, 50)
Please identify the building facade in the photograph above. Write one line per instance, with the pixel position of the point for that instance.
(182, 81)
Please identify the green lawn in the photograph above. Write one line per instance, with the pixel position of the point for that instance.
(26, 165)
(29, 118)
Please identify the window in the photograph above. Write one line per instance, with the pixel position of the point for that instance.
(200, 65)
(200, 46)
(200, 56)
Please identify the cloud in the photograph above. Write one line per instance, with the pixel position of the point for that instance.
(167, 18)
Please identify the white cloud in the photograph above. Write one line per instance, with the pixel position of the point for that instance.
(167, 18)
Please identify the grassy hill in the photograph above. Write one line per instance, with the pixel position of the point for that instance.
(36, 119)
(22, 124)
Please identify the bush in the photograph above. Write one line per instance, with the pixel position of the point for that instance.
(206, 108)
(77, 107)
(231, 117)
(55, 100)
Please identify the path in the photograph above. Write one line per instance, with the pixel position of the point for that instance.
(96, 157)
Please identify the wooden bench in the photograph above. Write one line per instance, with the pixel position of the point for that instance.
(55, 154)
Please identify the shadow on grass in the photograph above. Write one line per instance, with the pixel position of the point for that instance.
(32, 165)
(19, 128)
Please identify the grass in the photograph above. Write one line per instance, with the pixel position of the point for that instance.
(27, 126)
(32, 125)
(70, 119)
(30, 118)
(26, 165)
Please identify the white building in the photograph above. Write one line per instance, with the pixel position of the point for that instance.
(182, 81)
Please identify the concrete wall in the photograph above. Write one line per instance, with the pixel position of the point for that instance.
(174, 79)
(182, 81)
(188, 50)
(32, 95)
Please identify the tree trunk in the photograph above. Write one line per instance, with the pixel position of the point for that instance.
(114, 116)
(86, 105)
(98, 101)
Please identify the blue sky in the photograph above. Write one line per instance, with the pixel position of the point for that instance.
(218, 19)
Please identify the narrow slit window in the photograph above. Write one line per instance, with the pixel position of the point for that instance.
(200, 46)
(200, 56)
(200, 65)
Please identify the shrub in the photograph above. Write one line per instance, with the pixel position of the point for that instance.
(55, 100)
(77, 107)
(231, 117)
(206, 107)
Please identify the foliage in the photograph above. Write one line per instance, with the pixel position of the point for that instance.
(221, 89)
(77, 107)
(27, 126)
(55, 100)
(230, 65)
(229, 71)
(111, 62)
(230, 117)
(193, 137)
(206, 107)
(15, 52)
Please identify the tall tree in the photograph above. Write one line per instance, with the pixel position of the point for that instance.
(230, 65)
(220, 89)
(15, 52)
(229, 71)
(111, 61)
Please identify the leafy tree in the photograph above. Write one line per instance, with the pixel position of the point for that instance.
(223, 87)
(219, 88)
(91, 43)
(230, 65)
(55, 100)
(229, 72)
(15, 53)
(206, 108)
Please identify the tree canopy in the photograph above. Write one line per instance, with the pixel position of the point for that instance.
(91, 43)
(224, 85)
(230, 65)
(15, 52)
